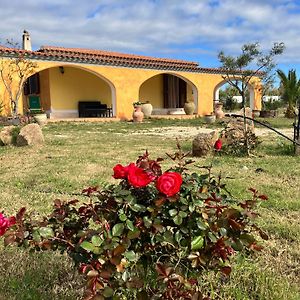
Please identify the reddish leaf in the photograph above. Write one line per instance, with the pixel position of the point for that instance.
(20, 214)
(226, 270)
(9, 239)
(263, 197)
(254, 191)
(118, 250)
(159, 202)
(256, 247)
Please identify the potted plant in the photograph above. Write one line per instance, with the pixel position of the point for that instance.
(137, 114)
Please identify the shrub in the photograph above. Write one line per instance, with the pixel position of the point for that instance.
(151, 235)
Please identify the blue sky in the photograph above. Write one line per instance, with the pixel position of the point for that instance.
(183, 29)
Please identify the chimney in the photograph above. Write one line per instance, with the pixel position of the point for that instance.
(26, 41)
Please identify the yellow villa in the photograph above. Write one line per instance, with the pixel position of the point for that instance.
(63, 77)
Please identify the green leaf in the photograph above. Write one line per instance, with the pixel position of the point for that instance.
(237, 245)
(125, 276)
(212, 237)
(173, 212)
(118, 229)
(137, 207)
(97, 241)
(133, 234)
(147, 222)
(122, 217)
(130, 255)
(183, 214)
(201, 225)
(108, 292)
(177, 220)
(168, 237)
(87, 246)
(223, 231)
(178, 236)
(197, 243)
(124, 193)
(247, 238)
(130, 225)
(191, 207)
(36, 236)
(46, 232)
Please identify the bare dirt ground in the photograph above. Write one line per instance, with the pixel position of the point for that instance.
(193, 131)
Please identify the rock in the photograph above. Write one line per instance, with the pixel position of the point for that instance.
(203, 143)
(6, 135)
(233, 137)
(30, 134)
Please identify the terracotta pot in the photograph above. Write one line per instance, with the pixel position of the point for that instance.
(138, 115)
(218, 111)
(189, 108)
(147, 109)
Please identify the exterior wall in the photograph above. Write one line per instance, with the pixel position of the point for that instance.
(122, 84)
(74, 85)
(152, 91)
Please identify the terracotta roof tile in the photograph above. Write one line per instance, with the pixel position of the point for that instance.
(116, 58)
(109, 58)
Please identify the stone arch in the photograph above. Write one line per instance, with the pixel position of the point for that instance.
(61, 67)
(155, 85)
(216, 96)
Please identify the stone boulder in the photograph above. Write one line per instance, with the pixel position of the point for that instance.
(203, 143)
(30, 134)
(6, 135)
(233, 134)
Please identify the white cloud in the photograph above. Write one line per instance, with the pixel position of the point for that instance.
(155, 26)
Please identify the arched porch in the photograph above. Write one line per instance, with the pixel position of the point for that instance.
(167, 92)
(59, 90)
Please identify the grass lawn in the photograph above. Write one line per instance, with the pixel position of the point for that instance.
(77, 155)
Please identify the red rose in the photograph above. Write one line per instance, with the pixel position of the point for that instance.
(169, 183)
(120, 172)
(138, 177)
(5, 223)
(218, 145)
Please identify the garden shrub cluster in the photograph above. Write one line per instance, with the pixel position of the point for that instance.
(150, 235)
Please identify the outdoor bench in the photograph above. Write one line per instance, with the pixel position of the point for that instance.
(93, 109)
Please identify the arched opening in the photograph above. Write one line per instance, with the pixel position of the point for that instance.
(167, 93)
(60, 89)
(226, 90)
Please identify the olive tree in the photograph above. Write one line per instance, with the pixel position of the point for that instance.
(240, 70)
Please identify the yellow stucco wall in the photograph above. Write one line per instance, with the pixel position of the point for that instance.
(152, 91)
(74, 85)
(121, 86)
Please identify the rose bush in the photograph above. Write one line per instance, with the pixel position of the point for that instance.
(5, 223)
(151, 235)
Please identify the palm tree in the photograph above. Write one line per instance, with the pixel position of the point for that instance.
(290, 90)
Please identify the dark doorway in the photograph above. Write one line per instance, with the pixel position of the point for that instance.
(174, 91)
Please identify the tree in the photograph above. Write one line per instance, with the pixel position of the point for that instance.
(241, 70)
(290, 90)
(14, 70)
